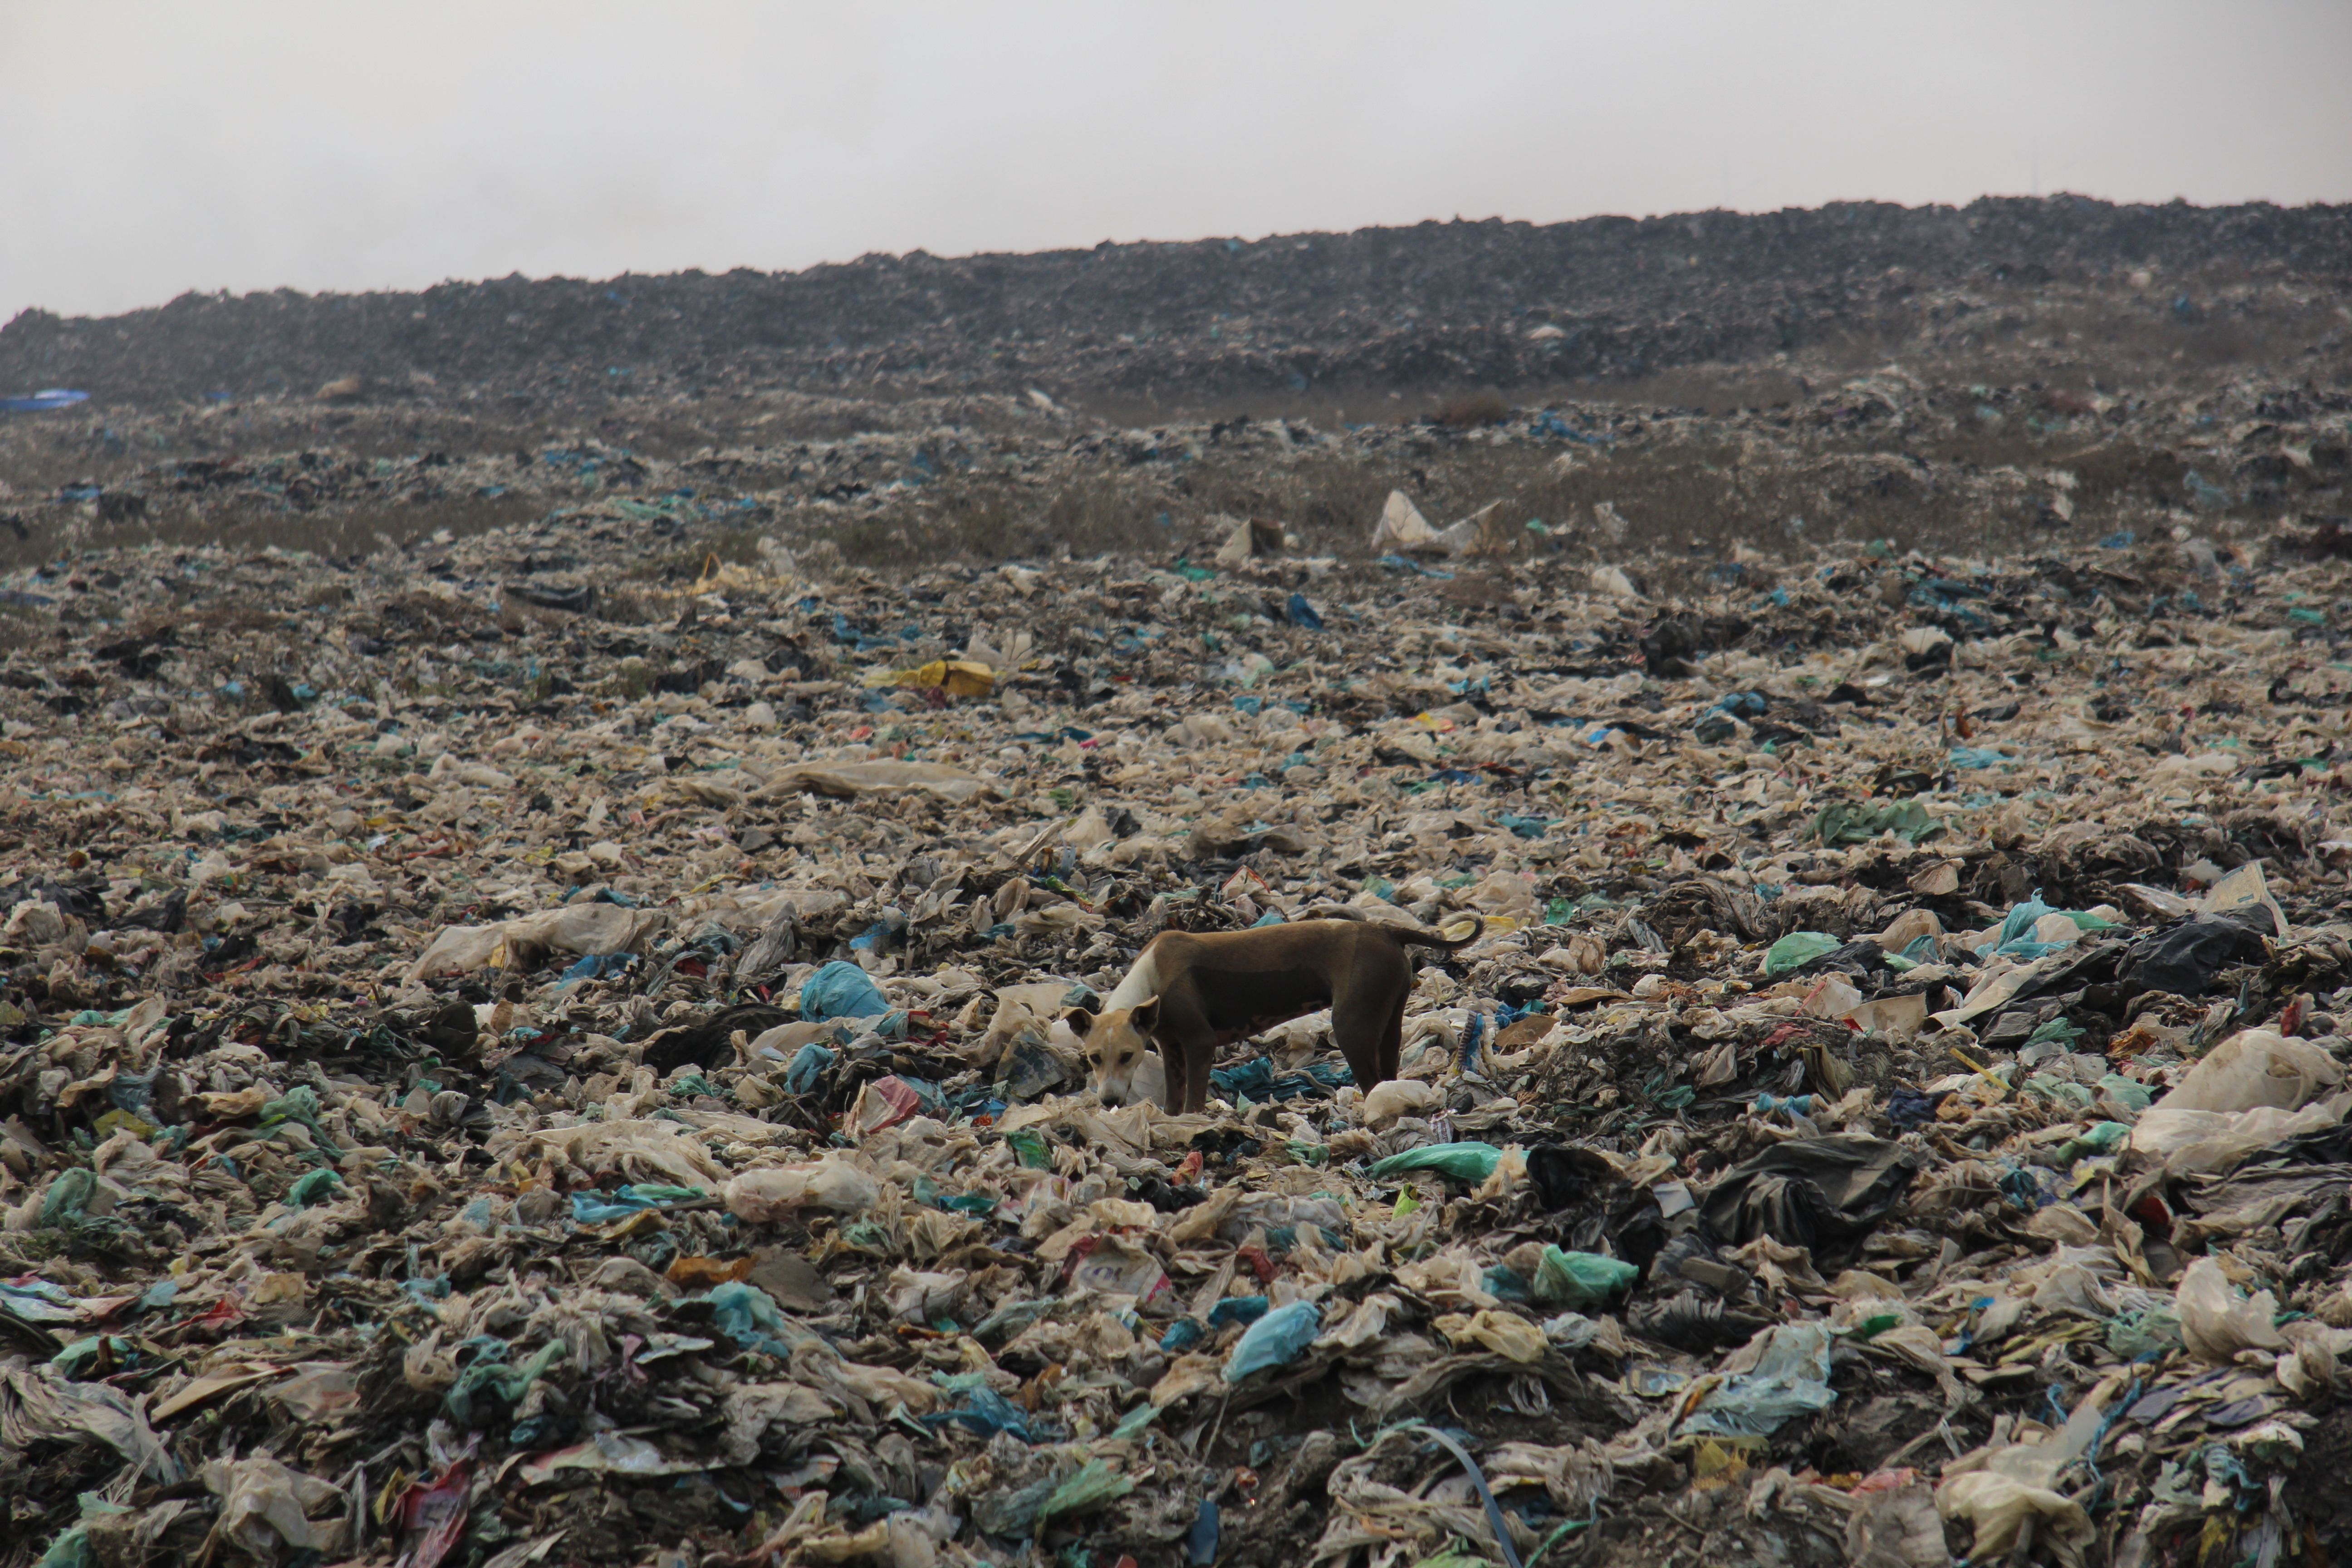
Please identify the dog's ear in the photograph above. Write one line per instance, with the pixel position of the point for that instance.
(1144, 1016)
(1080, 1020)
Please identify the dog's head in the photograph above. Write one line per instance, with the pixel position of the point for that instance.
(1117, 1046)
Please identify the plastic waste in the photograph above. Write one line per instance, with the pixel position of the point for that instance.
(43, 401)
(1466, 1161)
(1095, 1484)
(856, 780)
(2185, 959)
(2255, 1067)
(1810, 1191)
(1788, 1375)
(267, 1509)
(1846, 823)
(1580, 1279)
(2002, 1487)
(775, 1192)
(1275, 1340)
(1402, 527)
(1200, 1541)
(1897, 1527)
(841, 990)
(955, 677)
(1398, 1097)
(2217, 1324)
(2251, 1093)
(1795, 951)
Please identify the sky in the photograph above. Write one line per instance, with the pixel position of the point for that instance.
(155, 147)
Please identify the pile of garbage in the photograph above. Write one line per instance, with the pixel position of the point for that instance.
(484, 1083)
(2011, 468)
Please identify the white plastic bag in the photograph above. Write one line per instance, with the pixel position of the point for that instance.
(2219, 1325)
(2188, 1141)
(265, 1507)
(922, 1299)
(2249, 1094)
(2000, 1486)
(777, 1192)
(1402, 527)
(2255, 1067)
(1897, 1529)
(1399, 1097)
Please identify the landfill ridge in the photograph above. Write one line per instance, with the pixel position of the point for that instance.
(1182, 326)
(486, 1082)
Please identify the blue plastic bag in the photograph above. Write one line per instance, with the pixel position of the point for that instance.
(43, 401)
(1181, 1335)
(1275, 1340)
(1791, 1378)
(808, 1064)
(597, 967)
(841, 990)
(750, 1317)
(1200, 1541)
(986, 1412)
(2017, 936)
(1237, 1309)
(1257, 1079)
(596, 1208)
(1470, 1160)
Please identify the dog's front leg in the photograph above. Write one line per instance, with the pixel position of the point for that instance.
(1199, 1055)
(1188, 1058)
(1172, 1071)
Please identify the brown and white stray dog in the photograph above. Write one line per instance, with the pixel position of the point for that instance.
(1189, 995)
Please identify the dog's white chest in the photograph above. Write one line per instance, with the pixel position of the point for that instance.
(1141, 984)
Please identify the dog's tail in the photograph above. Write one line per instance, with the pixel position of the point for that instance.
(1431, 938)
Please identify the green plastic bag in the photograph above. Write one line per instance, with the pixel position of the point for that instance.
(1093, 1484)
(1580, 1279)
(2099, 1138)
(2152, 1332)
(299, 1104)
(929, 1194)
(2127, 1092)
(1031, 1149)
(1462, 1162)
(500, 1381)
(68, 1196)
(2060, 1028)
(1847, 823)
(314, 1188)
(1795, 951)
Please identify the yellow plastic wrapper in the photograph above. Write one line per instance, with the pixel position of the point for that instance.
(960, 677)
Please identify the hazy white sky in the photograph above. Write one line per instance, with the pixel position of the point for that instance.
(150, 147)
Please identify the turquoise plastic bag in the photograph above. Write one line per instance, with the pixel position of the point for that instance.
(1275, 1340)
(841, 990)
